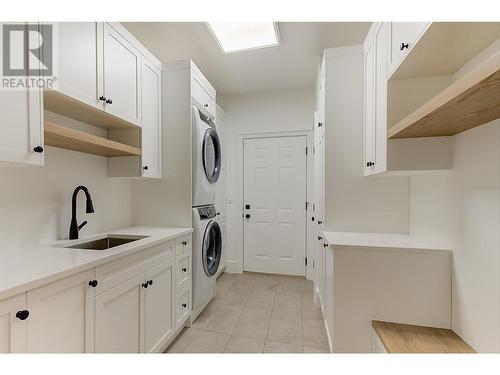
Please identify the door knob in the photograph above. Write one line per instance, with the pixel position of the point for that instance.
(38, 149)
(93, 283)
(247, 216)
(22, 315)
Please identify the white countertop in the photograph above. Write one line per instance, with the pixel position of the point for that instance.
(381, 240)
(22, 269)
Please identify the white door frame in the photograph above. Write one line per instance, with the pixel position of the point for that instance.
(309, 189)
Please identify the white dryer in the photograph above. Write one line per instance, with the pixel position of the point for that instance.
(207, 250)
(206, 158)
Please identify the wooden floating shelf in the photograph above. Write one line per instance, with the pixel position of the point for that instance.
(71, 139)
(470, 101)
(57, 102)
(407, 338)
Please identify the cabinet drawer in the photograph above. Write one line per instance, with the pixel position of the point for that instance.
(183, 306)
(202, 97)
(183, 270)
(182, 244)
(116, 272)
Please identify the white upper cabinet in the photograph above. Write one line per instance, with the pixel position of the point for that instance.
(403, 37)
(369, 106)
(122, 65)
(80, 61)
(151, 121)
(21, 125)
(61, 316)
(13, 315)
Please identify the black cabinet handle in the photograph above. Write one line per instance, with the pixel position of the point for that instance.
(38, 149)
(145, 167)
(320, 124)
(109, 101)
(403, 46)
(93, 283)
(247, 216)
(145, 285)
(370, 164)
(102, 98)
(150, 282)
(184, 269)
(184, 305)
(22, 315)
(184, 243)
(325, 245)
(206, 105)
(319, 238)
(320, 222)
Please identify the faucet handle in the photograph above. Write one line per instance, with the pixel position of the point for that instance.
(82, 225)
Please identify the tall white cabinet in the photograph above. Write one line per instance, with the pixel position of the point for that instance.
(21, 125)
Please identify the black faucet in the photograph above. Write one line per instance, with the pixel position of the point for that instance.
(74, 227)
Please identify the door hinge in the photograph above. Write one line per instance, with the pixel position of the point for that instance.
(307, 150)
(306, 261)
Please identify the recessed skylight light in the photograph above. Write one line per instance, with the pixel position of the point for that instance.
(242, 36)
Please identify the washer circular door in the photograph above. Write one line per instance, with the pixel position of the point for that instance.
(212, 248)
(211, 155)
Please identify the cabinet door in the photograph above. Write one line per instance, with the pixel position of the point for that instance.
(119, 318)
(12, 329)
(21, 124)
(404, 36)
(159, 299)
(122, 68)
(151, 124)
(369, 107)
(61, 316)
(80, 61)
(381, 44)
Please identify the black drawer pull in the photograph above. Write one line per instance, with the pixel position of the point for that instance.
(184, 269)
(93, 283)
(184, 243)
(184, 305)
(22, 315)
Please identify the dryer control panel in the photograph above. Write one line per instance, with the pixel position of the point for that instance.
(207, 212)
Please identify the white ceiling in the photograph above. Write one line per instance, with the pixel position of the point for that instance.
(292, 64)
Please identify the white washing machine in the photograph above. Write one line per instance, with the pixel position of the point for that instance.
(207, 251)
(206, 158)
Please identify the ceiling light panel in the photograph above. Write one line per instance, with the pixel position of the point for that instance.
(242, 36)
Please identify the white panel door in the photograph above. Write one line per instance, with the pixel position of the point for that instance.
(122, 68)
(159, 322)
(275, 205)
(151, 125)
(13, 329)
(80, 61)
(61, 316)
(119, 318)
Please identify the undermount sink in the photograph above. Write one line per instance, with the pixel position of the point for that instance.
(106, 242)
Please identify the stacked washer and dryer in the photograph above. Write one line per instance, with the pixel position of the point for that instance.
(207, 236)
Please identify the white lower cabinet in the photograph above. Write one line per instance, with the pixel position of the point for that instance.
(12, 328)
(61, 316)
(159, 306)
(119, 318)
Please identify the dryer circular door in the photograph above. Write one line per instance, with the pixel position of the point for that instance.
(212, 248)
(211, 155)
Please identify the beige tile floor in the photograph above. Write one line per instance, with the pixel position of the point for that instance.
(257, 313)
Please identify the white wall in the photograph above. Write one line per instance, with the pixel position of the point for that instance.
(35, 202)
(267, 112)
(463, 208)
(354, 203)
